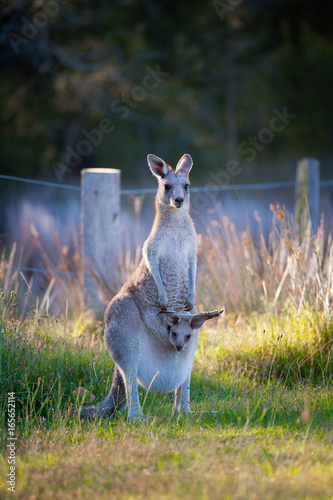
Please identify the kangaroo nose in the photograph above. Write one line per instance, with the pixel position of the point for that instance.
(179, 201)
(179, 347)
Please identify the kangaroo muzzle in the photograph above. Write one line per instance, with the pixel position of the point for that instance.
(178, 202)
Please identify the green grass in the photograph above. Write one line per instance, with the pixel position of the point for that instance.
(294, 348)
(270, 436)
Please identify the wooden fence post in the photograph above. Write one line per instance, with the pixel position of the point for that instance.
(100, 232)
(307, 194)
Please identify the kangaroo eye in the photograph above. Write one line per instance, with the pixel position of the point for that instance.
(167, 187)
(174, 334)
(186, 186)
(188, 337)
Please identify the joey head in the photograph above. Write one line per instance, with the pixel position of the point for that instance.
(181, 327)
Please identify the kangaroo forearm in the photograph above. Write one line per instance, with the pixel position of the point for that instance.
(192, 276)
(157, 278)
(152, 263)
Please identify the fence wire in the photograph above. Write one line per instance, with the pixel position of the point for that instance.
(202, 189)
(230, 187)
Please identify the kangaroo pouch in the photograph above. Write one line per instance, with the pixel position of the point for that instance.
(163, 369)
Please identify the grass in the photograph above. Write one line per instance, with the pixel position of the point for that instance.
(246, 272)
(261, 389)
(289, 347)
(270, 433)
(200, 460)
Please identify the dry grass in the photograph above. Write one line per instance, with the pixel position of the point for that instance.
(246, 273)
(195, 462)
(241, 271)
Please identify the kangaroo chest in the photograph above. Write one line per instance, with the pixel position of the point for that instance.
(173, 256)
(175, 246)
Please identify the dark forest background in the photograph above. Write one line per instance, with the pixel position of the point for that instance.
(68, 67)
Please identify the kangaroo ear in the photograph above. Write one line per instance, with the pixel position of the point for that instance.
(169, 318)
(157, 166)
(198, 319)
(184, 165)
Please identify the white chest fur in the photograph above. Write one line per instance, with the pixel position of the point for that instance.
(164, 368)
(175, 246)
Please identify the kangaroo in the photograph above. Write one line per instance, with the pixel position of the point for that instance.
(152, 325)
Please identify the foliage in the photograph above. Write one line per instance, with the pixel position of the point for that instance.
(226, 72)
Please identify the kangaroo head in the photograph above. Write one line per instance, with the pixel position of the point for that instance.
(173, 186)
(181, 325)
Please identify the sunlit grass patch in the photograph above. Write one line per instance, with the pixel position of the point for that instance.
(295, 348)
(195, 460)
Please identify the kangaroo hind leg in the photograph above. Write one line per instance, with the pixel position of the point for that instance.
(115, 401)
(123, 341)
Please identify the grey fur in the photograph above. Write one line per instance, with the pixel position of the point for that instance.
(153, 348)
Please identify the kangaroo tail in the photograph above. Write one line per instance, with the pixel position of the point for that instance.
(115, 401)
